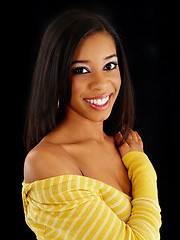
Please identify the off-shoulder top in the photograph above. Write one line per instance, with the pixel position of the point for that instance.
(79, 207)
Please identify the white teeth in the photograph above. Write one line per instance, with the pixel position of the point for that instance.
(98, 101)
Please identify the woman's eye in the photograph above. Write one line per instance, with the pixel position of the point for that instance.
(80, 70)
(110, 66)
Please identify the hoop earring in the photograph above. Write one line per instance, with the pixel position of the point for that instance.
(58, 104)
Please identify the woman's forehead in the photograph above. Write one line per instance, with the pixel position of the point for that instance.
(96, 45)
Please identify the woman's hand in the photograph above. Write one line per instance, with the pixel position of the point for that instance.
(132, 143)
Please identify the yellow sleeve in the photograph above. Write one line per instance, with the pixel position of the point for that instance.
(142, 175)
(145, 206)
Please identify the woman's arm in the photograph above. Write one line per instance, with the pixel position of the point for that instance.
(140, 170)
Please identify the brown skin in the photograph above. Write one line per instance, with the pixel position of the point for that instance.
(78, 145)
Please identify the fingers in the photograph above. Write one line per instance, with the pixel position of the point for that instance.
(139, 140)
(133, 135)
(118, 138)
(122, 146)
(132, 143)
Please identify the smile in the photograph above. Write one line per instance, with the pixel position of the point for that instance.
(99, 103)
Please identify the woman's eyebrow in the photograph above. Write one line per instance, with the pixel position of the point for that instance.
(110, 56)
(86, 61)
(80, 61)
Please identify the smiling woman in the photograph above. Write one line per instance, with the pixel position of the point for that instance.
(55, 61)
(85, 165)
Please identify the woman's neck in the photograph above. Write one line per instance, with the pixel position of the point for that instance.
(77, 128)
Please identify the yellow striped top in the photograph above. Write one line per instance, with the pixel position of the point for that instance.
(78, 207)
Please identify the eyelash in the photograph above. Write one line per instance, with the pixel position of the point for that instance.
(79, 70)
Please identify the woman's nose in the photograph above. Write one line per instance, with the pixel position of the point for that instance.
(98, 81)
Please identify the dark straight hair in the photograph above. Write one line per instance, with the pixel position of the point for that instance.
(51, 79)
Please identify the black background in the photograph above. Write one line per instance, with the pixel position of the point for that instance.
(151, 39)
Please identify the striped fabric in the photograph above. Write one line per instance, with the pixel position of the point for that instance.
(78, 207)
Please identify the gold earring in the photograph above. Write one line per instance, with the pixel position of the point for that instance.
(58, 104)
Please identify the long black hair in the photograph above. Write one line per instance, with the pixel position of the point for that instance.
(51, 79)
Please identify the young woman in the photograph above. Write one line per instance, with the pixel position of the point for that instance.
(86, 176)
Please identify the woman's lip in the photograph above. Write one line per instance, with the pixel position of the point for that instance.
(100, 96)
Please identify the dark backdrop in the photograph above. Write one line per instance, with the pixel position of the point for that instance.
(151, 40)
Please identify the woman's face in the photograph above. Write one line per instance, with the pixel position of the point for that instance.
(95, 77)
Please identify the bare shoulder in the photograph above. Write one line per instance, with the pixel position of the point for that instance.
(48, 160)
